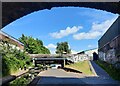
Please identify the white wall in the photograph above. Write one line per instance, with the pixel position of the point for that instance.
(79, 57)
(90, 52)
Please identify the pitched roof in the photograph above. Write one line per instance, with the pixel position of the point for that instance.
(11, 37)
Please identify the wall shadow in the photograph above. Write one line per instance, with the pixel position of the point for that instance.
(56, 81)
(71, 81)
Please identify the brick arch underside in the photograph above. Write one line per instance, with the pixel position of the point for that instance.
(14, 10)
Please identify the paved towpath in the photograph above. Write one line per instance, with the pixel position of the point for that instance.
(99, 71)
(56, 77)
(102, 76)
(59, 77)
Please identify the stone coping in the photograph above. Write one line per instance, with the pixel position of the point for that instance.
(11, 77)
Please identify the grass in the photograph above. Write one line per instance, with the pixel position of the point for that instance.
(110, 69)
(81, 66)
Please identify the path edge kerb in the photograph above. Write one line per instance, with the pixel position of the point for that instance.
(92, 69)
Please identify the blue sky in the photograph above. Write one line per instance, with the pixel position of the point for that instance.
(80, 27)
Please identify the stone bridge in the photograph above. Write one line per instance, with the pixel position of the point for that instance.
(14, 10)
(49, 55)
(51, 58)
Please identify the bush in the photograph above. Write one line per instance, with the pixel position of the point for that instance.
(12, 59)
(40, 66)
(19, 82)
(5, 67)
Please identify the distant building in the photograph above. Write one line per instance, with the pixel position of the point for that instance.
(79, 57)
(109, 44)
(90, 52)
(11, 40)
(84, 55)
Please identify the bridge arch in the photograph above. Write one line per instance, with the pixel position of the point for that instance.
(14, 10)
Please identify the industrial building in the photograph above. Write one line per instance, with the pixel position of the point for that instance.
(109, 44)
(84, 55)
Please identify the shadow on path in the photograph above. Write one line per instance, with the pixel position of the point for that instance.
(57, 81)
(71, 70)
(71, 81)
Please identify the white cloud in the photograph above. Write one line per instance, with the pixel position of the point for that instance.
(51, 46)
(102, 27)
(89, 35)
(66, 32)
(97, 30)
(52, 51)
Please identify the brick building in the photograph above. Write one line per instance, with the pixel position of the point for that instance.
(109, 44)
(13, 41)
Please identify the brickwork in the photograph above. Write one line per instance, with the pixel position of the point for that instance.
(11, 40)
(110, 50)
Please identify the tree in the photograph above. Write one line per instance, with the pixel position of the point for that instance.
(62, 48)
(33, 46)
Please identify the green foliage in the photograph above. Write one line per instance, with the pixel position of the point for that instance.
(62, 47)
(110, 69)
(12, 59)
(33, 46)
(40, 66)
(22, 81)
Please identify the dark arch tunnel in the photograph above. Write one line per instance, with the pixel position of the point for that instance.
(14, 10)
(48, 62)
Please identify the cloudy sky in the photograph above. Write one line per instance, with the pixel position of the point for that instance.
(80, 27)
